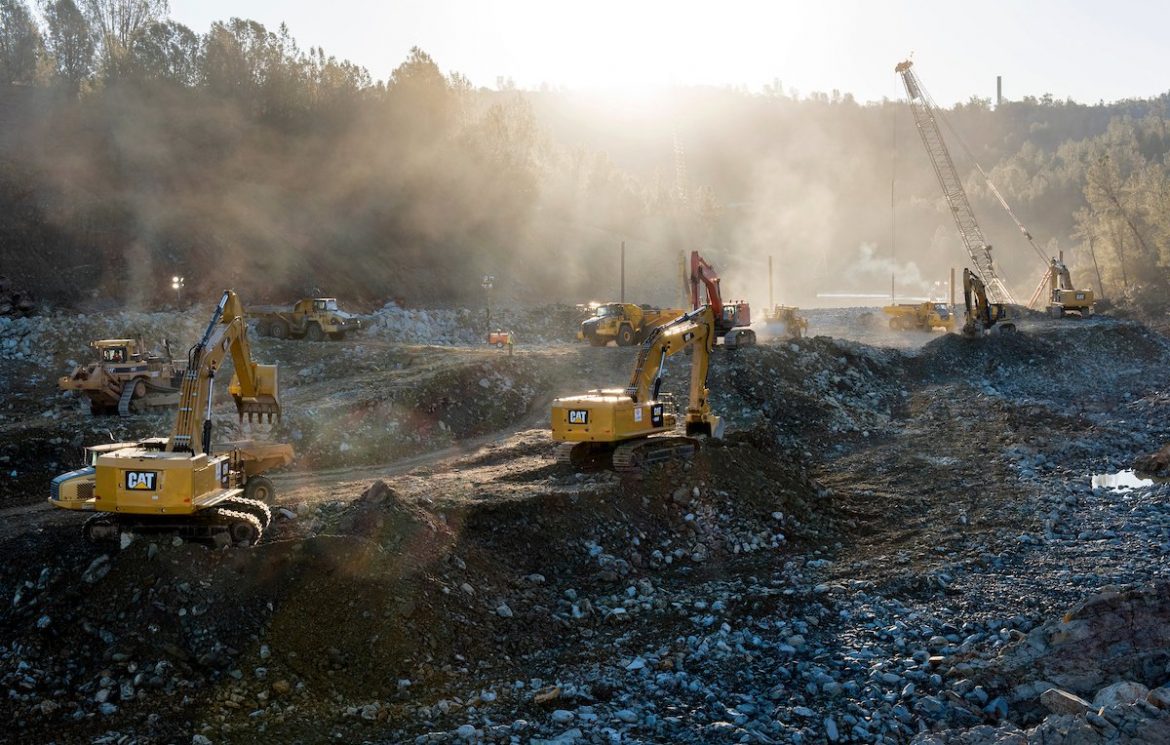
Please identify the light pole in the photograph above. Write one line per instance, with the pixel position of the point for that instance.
(177, 286)
(486, 284)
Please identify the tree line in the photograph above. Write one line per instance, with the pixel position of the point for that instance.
(133, 148)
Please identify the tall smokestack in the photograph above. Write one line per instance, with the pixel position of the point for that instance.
(998, 90)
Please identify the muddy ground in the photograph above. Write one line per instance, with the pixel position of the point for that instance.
(883, 550)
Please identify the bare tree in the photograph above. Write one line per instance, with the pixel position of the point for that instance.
(116, 23)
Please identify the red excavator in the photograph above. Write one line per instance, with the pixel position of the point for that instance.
(731, 319)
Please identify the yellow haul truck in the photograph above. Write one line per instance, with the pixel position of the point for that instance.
(624, 323)
(312, 318)
(125, 378)
(920, 316)
(624, 429)
(183, 483)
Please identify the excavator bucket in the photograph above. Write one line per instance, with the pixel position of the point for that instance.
(265, 401)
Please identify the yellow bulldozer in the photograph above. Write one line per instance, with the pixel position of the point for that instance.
(184, 483)
(785, 321)
(126, 378)
(626, 429)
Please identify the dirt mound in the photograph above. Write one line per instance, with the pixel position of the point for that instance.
(810, 392)
(362, 602)
(1154, 464)
(1051, 362)
(1109, 637)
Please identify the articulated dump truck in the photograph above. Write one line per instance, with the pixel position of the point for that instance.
(626, 324)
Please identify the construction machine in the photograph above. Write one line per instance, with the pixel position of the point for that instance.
(183, 483)
(783, 320)
(983, 315)
(925, 316)
(1063, 298)
(311, 318)
(732, 319)
(500, 338)
(923, 108)
(626, 324)
(626, 429)
(125, 378)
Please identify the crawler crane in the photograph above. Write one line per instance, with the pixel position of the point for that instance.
(183, 483)
(971, 234)
(1063, 298)
(626, 428)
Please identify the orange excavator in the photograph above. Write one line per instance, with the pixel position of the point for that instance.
(732, 319)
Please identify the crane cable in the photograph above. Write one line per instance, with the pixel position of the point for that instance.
(987, 179)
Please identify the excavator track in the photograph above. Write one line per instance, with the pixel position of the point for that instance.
(584, 456)
(241, 527)
(253, 507)
(633, 457)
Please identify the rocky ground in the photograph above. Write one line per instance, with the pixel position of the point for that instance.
(899, 541)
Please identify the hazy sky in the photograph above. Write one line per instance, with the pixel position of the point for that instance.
(1086, 49)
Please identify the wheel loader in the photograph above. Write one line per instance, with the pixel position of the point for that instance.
(125, 379)
(184, 483)
(627, 429)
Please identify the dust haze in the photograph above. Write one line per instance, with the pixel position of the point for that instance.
(237, 157)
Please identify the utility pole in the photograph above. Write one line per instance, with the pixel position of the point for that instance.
(622, 295)
(1093, 253)
(486, 284)
(771, 304)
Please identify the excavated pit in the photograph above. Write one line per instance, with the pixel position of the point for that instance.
(871, 509)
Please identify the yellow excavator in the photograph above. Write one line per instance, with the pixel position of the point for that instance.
(624, 429)
(182, 483)
(983, 316)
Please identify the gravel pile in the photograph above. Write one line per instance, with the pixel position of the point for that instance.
(890, 547)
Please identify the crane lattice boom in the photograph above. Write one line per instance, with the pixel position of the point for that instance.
(952, 186)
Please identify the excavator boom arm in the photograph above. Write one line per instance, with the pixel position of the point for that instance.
(694, 330)
(254, 387)
(703, 272)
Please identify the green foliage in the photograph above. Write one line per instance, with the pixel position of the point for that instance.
(235, 156)
(68, 42)
(20, 43)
